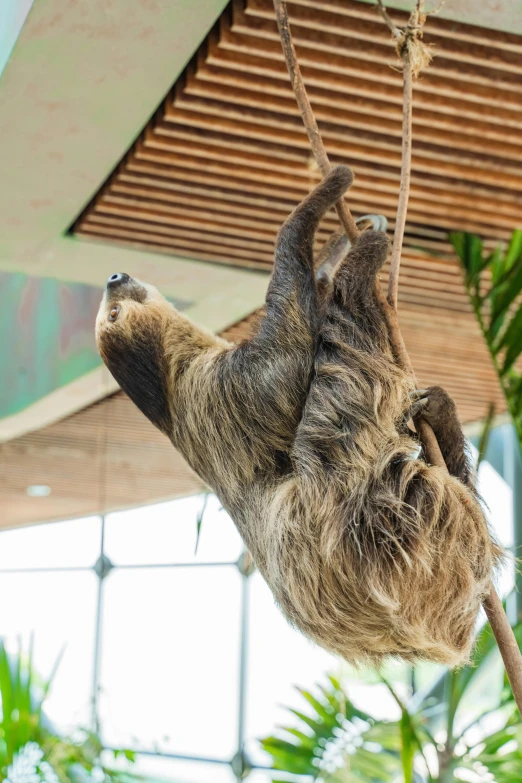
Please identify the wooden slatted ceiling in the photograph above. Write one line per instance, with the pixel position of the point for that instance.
(226, 158)
(106, 456)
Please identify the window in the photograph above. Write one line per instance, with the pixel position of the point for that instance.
(180, 654)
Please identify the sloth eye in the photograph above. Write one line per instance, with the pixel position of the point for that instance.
(114, 312)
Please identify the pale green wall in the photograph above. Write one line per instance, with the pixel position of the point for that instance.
(47, 337)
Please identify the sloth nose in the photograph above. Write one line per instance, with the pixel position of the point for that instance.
(116, 280)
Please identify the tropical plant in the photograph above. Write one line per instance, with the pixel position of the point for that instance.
(335, 741)
(335, 737)
(494, 284)
(31, 750)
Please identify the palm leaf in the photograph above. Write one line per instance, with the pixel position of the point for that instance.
(199, 520)
(484, 436)
(22, 696)
(499, 311)
(413, 736)
(502, 297)
(500, 753)
(514, 250)
(321, 733)
(470, 250)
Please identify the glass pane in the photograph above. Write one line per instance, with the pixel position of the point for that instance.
(167, 533)
(59, 610)
(279, 658)
(498, 501)
(155, 768)
(375, 698)
(267, 776)
(427, 674)
(170, 660)
(52, 545)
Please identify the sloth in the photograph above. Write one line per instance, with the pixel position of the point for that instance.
(301, 431)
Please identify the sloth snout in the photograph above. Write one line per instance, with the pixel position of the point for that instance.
(121, 286)
(116, 280)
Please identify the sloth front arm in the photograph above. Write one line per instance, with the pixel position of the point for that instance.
(251, 398)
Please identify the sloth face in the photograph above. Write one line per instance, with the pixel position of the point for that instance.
(131, 328)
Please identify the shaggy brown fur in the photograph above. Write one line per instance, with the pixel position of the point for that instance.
(301, 433)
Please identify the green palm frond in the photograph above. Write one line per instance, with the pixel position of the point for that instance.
(21, 704)
(494, 284)
(335, 741)
(199, 520)
(499, 754)
(23, 726)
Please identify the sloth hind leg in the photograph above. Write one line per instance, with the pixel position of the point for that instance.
(357, 390)
(351, 311)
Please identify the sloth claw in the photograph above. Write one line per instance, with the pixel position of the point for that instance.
(420, 399)
(418, 406)
(419, 394)
(419, 402)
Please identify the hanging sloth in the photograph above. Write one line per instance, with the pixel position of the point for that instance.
(302, 433)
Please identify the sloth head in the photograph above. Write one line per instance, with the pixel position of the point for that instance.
(134, 327)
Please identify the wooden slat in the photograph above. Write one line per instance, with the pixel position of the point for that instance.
(233, 51)
(344, 62)
(370, 42)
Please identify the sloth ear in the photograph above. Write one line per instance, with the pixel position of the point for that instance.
(138, 365)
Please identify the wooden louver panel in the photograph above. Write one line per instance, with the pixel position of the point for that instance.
(226, 158)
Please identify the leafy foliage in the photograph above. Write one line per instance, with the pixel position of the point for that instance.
(494, 284)
(335, 741)
(26, 736)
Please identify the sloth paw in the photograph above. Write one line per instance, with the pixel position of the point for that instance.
(434, 404)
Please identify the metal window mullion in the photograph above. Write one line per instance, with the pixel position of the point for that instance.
(137, 566)
(241, 765)
(44, 569)
(243, 662)
(98, 640)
